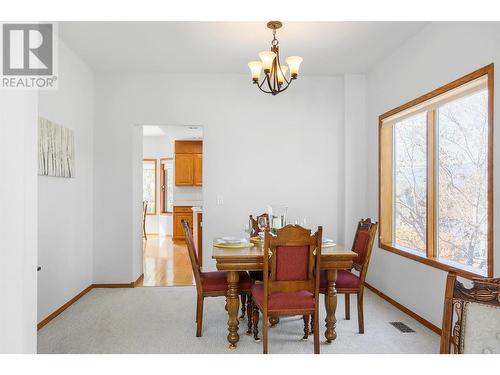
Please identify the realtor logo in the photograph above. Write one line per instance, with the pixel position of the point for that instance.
(28, 56)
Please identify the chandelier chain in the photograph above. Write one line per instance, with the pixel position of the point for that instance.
(275, 41)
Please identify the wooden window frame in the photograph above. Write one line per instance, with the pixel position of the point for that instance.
(163, 182)
(385, 144)
(156, 183)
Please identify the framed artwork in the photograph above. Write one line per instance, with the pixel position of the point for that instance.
(56, 150)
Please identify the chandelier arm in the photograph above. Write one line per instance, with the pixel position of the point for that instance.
(276, 67)
(262, 84)
(283, 74)
(286, 87)
(269, 83)
(286, 80)
(267, 92)
(263, 81)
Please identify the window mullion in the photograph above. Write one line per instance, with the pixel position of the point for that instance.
(431, 246)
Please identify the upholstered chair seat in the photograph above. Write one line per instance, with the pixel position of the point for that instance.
(214, 284)
(217, 282)
(345, 280)
(280, 301)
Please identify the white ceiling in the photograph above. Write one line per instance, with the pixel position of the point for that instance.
(328, 48)
(173, 131)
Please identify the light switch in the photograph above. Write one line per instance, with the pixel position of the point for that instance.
(220, 200)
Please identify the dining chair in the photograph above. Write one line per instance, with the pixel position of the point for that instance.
(476, 328)
(255, 230)
(291, 279)
(255, 224)
(144, 213)
(348, 282)
(213, 284)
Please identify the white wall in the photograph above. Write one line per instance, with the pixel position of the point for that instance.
(258, 150)
(18, 223)
(136, 230)
(65, 208)
(437, 55)
(156, 148)
(354, 194)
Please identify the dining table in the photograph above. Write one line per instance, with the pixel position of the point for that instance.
(250, 258)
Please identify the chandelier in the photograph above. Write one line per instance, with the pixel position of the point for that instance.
(275, 79)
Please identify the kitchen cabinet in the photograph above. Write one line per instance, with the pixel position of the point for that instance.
(181, 213)
(198, 169)
(184, 170)
(188, 163)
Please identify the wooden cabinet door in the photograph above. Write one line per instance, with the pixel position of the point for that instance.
(178, 232)
(184, 170)
(198, 169)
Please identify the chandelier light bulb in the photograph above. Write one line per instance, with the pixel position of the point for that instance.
(255, 69)
(267, 58)
(281, 73)
(294, 63)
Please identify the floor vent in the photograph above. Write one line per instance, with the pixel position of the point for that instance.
(402, 327)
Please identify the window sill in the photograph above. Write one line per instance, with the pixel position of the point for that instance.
(431, 262)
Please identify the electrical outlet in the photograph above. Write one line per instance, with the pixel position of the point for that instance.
(220, 200)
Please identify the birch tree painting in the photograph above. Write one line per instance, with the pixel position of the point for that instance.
(56, 150)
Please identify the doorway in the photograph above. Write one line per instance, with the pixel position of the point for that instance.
(168, 196)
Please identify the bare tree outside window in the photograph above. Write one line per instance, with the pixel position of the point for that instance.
(410, 182)
(463, 181)
(149, 185)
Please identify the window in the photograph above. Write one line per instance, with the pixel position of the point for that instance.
(410, 174)
(149, 184)
(435, 177)
(166, 185)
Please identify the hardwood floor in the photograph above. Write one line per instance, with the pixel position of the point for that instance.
(166, 263)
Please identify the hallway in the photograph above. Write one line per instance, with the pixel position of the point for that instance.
(166, 263)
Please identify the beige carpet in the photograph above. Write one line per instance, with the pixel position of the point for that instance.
(161, 320)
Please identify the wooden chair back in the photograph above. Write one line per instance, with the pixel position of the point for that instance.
(458, 299)
(363, 246)
(144, 213)
(193, 257)
(255, 224)
(292, 261)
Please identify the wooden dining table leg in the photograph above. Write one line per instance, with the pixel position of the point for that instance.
(331, 306)
(233, 307)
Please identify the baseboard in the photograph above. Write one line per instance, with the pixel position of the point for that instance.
(63, 307)
(108, 286)
(133, 284)
(404, 309)
(139, 281)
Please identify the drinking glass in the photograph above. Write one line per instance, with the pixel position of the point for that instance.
(277, 215)
(303, 222)
(247, 228)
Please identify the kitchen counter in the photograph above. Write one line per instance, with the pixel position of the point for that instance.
(186, 202)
